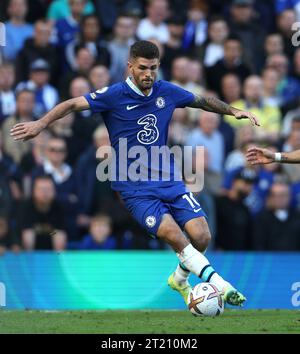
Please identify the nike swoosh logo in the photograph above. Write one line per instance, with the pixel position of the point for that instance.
(131, 107)
(195, 210)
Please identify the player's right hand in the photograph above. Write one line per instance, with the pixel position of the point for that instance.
(257, 155)
(26, 130)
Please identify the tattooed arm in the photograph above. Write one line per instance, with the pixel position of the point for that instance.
(212, 104)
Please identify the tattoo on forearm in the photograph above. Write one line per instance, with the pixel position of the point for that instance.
(211, 104)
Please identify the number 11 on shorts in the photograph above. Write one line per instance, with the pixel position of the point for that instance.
(192, 201)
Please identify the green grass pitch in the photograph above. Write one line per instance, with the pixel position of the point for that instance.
(148, 322)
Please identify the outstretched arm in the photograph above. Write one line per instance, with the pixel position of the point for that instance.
(257, 155)
(213, 104)
(28, 130)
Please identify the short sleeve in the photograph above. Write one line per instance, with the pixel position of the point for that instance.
(100, 100)
(181, 97)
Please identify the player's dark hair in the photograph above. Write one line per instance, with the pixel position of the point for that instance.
(144, 49)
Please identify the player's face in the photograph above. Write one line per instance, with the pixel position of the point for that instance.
(144, 72)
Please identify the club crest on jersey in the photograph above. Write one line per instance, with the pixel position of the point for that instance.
(149, 134)
(160, 102)
(150, 221)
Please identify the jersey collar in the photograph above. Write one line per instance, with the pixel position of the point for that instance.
(136, 89)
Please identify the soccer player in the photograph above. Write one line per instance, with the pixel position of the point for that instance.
(256, 155)
(140, 109)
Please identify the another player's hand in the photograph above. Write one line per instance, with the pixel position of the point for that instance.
(257, 155)
(27, 130)
(247, 115)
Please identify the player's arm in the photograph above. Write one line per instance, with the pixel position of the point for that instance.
(213, 104)
(256, 155)
(28, 130)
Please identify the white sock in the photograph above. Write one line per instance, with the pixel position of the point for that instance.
(199, 265)
(181, 275)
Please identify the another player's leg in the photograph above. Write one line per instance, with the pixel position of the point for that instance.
(198, 232)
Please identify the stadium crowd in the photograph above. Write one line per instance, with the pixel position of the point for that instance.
(242, 51)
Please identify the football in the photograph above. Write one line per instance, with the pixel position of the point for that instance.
(205, 300)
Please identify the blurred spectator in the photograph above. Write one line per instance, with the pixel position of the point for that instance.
(234, 221)
(231, 63)
(268, 116)
(54, 165)
(17, 30)
(46, 96)
(181, 77)
(236, 158)
(265, 177)
(195, 72)
(296, 65)
(89, 190)
(9, 180)
(173, 47)
(213, 48)
(208, 136)
(290, 144)
(7, 96)
(291, 121)
(32, 159)
(41, 218)
(195, 31)
(99, 77)
(282, 5)
(154, 25)
(99, 237)
(277, 227)
(161, 49)
(179, 127)
(124, 37)
(10, 193)
(242, 24)
(288, 88)
(38, 47)
(60, 9)
(68, 27)
(24, 113)
(8, 237)
(84, 62)
(273, 44)
(270, 79)
(108, 12)
(89, 37)
(81, 125)
(285, 21)
(231, 88)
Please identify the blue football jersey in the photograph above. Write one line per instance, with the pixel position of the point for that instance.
(137, 121)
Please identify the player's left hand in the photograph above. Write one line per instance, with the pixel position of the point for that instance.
(247, 115)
